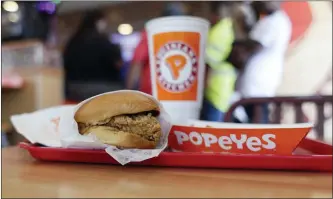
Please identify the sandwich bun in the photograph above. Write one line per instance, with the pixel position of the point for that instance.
(122, 139)
(119, 103)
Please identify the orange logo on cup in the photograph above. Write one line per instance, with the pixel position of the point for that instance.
(243, 141)
(176, 65)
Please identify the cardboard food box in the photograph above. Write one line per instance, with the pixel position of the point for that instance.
(202, 136)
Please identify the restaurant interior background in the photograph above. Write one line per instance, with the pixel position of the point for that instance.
(32, 76)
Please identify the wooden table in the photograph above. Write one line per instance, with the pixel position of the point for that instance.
(26, 177)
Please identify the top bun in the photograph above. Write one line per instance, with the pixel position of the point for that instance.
(113, 104)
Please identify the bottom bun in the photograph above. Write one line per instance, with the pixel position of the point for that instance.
(121, 139)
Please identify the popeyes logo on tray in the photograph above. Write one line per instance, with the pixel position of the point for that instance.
(176, 65)
(243, 141)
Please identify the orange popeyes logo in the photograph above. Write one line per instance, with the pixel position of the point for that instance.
(177, 56)
(242, 141)
(176, 63)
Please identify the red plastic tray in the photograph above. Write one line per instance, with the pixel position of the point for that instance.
(310, 156)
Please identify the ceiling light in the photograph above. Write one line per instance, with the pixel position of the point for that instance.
(10, 6)
(125, 29)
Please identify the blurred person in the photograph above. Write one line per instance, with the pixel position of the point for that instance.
(263, 52)
(221, 74)
(139, 72)
(244, 18)
(91, 62)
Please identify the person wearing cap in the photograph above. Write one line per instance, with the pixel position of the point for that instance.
(139, 72)
(221, 74)
(264, 52)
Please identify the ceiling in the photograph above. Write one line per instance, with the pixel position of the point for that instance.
(71, 6)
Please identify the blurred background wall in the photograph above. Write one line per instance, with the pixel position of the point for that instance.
(308, 68)
(134, 13)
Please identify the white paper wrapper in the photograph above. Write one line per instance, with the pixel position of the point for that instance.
(38, 127)
(41, 126)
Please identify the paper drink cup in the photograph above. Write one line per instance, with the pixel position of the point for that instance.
(176, 52)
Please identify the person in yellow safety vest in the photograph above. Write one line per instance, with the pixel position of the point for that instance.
(221, 75)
